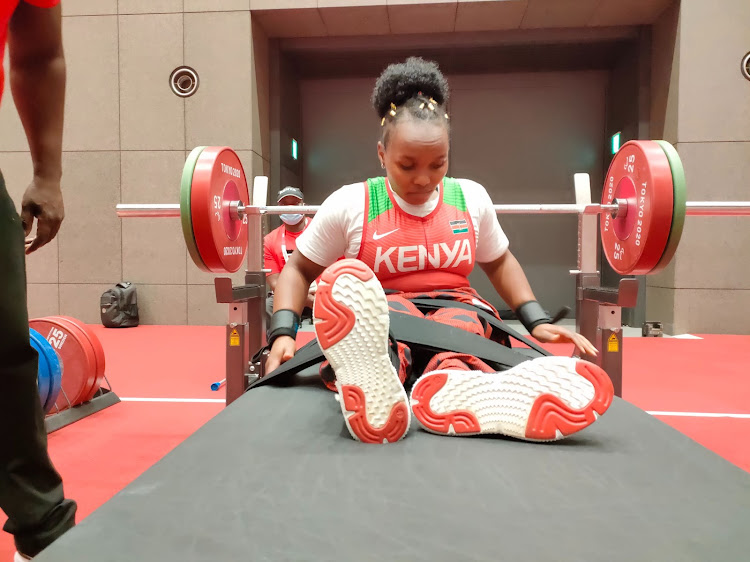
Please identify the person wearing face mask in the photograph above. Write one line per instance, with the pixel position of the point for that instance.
(279, 244)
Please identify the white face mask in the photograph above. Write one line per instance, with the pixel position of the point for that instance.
(292, 218)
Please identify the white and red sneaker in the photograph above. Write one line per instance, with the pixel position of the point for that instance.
(543, 399)
(351, 323)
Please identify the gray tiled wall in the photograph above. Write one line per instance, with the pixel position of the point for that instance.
(126, 139)
(700, 99)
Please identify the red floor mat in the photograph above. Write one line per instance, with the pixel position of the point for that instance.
(164, 361)
(707, 375)
(167, 361)
(727, 437)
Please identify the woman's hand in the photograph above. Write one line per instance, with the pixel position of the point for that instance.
(552, 333)
(282, 350)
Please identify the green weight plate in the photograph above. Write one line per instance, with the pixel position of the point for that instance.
(680, 200)
(185, 209)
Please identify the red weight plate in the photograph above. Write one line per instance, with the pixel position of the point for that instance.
(98, 351)
(76, 354)
(75, 326)
(218, 180)
(101, 363)
(639, 174)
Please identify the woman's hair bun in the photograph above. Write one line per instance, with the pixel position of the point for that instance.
(402, 81)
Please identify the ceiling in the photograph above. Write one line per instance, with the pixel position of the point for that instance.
(337, 18)
(463, 60)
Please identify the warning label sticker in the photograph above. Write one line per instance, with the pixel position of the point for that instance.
(234, 338)
(613, 344)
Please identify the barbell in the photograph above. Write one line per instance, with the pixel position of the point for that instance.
(643, 208)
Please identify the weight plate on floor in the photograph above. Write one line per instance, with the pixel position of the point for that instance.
(98, 352)
(680, 201)
(185, 215)
(50, 363)
(218, 181)
(77, 327)
(44, 375)
(639, 174)
(76, 355)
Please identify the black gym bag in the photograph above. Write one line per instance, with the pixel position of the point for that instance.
(119, 306)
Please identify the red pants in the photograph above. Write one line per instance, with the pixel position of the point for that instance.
(458, 318)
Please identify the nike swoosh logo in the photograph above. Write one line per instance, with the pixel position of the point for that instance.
(376, 236)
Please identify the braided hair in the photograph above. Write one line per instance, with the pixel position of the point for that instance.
(414, 88)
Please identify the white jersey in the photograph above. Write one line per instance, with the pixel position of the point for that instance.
(336, 229)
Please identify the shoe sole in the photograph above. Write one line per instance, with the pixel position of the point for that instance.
(351, 323)
(544, 399)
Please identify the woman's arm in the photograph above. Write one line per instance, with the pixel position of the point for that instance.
(510, 282)
(294, 283)
(291, 293)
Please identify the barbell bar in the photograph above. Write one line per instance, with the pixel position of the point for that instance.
(173, 209)
(718, 208)
(693, 208)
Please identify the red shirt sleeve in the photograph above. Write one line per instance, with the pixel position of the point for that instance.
(271, 253)
(43, 3)
(7, 8)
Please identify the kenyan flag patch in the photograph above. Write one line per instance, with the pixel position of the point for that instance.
(459, 226)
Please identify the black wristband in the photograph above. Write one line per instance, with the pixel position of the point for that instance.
(283, 323)
(531, 314)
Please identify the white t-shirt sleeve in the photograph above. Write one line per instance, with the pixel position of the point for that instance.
(336, 229)
(492, 242)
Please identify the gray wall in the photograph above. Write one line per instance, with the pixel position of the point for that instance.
(126, 139)
(522, 136)
(286, 125)
(701, 103)
(340, 131)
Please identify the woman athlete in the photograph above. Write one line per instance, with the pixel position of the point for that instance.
(417, 233)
